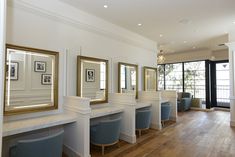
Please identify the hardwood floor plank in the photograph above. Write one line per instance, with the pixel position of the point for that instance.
(196, 134)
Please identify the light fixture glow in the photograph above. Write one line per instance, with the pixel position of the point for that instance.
(233, 22)
(185, 41)
(194, 47)
(105, 6)
(139, 24)
(161, 58)
(161, 35)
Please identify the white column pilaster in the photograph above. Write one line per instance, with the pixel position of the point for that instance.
(232, 81)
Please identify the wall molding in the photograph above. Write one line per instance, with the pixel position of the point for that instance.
(25, 6)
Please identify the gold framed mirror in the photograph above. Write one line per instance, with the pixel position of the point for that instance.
(128, 78)
(150, 79)
(92, 79)
(31, 80)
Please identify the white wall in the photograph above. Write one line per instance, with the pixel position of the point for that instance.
(232, 36)
(2, 62)
(55, 26)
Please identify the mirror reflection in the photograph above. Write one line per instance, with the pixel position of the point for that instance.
(93, 79)
(31, 80)
(128, 78)
(150, 79)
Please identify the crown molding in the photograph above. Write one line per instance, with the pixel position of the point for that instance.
(19, 4)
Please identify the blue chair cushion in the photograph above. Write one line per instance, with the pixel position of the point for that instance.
(143, 118)
(50, 146)
(106, 132)
(165, 111)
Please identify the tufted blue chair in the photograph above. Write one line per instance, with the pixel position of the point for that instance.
(143, 119)
(106, 133)
(165, 112)
(50, 146)
(184, 101)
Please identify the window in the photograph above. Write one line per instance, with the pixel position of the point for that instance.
(102, 75)
(161, 75)
(123, 77)
(133, 77)
(174, 77)
(195, 79)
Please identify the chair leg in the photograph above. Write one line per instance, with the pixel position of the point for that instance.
(102, 149)
(118, 144)
(163, 123)
(139, 132)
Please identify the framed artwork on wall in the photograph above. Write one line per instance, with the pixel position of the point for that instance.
(39, 66)
(90, 75)
(12, 71)
(46, 79)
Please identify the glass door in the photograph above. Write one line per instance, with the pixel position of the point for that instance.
(221, 97)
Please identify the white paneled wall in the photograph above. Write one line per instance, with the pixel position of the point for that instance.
(39, 24)
(2, 62)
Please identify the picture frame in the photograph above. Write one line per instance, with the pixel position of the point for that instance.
(46, 79)
(39, 66)
(90, 75)
(14, 71)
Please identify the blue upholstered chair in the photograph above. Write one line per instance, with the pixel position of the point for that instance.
(165, 112)
(143, 119)
(106, 133)
(184, 101)
(50, 146)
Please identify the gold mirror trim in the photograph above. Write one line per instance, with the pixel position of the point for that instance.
(56, 79)
(151, 68)
(79, 85)
(119, 76)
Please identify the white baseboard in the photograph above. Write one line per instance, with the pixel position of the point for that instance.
(232, 123)
(201, 109)
(128, 138)
(174, 119)
(156, 126)
(70, 152)
(221, 109)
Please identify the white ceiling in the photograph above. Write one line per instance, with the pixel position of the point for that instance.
(186, 25)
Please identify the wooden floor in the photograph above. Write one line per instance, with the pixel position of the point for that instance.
(197, 134)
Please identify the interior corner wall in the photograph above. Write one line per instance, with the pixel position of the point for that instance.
(2, 62)
(32, 28)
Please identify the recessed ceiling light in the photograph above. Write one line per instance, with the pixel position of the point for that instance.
(194, 47)
(161, 35)
(139, 24)
(105, 6)
(185, 41)
(233, 22)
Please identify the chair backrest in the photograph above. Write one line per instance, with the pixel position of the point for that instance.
(179, 96)
(50, 146)
(186, 95)
(165, 111)
(143, 119)
(108, 131)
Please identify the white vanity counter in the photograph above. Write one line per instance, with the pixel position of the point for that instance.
(26, 125)
(164, 101)
(105, 110)
(142, 105)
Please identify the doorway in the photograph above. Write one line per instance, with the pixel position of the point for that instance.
(220, 84)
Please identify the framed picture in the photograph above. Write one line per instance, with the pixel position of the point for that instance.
(46, 79)
(90, 75)
(12, 71)
(39, 66)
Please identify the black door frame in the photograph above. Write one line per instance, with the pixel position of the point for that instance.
(213, 83)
